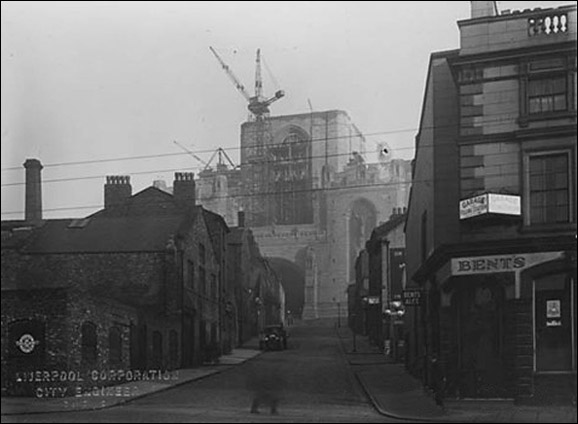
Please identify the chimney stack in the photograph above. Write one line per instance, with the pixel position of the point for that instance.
(398, 211)
(184, 188)
(33, 205)
(116, 190)
(241, 219)
(482, 9)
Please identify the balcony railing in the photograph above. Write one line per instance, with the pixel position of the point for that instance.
(550, 24)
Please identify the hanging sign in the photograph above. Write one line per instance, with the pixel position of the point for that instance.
(412, 297)
(490, 203)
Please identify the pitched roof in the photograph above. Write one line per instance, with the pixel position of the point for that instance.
(144, 223)
(215, 223)
(105, 234)
(388, 226)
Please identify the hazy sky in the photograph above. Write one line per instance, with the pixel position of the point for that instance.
(101, 80)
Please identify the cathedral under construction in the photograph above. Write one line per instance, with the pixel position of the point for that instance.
(311, 200)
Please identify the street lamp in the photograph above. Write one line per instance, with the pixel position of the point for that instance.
(395, 313)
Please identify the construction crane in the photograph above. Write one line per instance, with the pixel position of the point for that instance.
(191, 153)
(222, 161)
(258, 104)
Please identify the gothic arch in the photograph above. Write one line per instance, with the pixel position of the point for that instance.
(290, 176)
(288, 130)
(293, 281)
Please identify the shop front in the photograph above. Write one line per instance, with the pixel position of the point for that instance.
(508, 326)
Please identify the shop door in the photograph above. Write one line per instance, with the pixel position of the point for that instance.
(481, 341)
(553, 318)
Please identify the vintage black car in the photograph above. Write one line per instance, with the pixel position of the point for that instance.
(273, 337)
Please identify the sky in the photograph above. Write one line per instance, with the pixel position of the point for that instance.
(86, 82)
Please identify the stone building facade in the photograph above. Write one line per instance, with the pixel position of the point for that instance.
(491, 228)
(311, 200)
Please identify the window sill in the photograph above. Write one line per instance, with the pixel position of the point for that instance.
(523, 121)
(541, 228)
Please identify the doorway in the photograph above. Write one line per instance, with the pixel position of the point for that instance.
(481, 339)
(554, 317)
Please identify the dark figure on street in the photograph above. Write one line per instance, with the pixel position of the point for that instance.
(266, 386)
(439, 381)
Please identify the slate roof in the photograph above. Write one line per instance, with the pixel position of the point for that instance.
(104, 234)
(389, 225)
(237, 234)
(144, 224)
(215, 223)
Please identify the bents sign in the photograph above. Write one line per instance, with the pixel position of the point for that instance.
(487, 264)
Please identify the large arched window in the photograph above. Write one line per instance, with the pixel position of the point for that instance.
(89, 342)
(291, 178)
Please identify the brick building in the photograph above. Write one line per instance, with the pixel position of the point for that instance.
(491, 228)
(258, 298)
(376, 296)
(134, 286)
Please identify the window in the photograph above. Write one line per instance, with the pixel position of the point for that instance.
(88, 343)
(114, 346)
(547, 95)
(213, 286)
(157, 349)
(202, 280)
(202, 253)
(291, 175)
(549, 188)
(191, 279)
(173, 349)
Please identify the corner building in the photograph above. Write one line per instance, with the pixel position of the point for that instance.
(491, 229)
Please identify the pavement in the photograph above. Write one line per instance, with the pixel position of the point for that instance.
(127, 392)
(393, 392)
(397, 394)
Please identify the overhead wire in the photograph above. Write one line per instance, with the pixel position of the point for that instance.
(311, 140)
(319, 189)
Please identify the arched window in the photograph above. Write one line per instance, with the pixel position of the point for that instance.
(173, 348)
(157, 349)
(114, 345)
(291, 178)
(88, 342)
